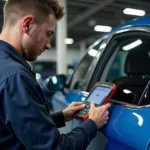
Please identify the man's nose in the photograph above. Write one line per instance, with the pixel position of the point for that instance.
(48, 46)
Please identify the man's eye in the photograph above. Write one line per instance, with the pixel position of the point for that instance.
(49, 35)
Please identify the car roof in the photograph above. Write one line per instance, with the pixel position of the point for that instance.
(143, 21)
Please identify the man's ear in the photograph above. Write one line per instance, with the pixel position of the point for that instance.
(27, 23)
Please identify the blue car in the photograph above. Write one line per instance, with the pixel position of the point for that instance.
(121, 56)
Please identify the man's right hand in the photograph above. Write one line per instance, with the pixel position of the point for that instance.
(99, 114)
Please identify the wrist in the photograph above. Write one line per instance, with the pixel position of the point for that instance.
(94, 120)
(65, 115)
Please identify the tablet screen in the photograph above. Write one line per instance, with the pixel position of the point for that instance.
(99, 94)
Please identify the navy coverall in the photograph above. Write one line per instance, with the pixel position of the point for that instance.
(25, 121)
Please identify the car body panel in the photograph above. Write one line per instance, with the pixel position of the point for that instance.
(130, 127)
(78, 96)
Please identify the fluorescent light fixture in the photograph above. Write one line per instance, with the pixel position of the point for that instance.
(69, 41)
(100, 28)
(135, 12)
(92, 52)
(132, 45)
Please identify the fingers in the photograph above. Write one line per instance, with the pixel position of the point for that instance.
(92, 105)
(108, 105)
(106, 113)
(106, 120)
(77, 108)
(76, 103)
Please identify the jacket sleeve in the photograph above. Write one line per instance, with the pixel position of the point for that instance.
(30, 121)
(58, 119)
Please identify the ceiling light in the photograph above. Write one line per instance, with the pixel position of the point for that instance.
(92, 52)
(100, 28)
(132, 45)
(136, 12)
(69, 41)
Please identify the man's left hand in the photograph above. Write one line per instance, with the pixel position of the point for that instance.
(72, 109)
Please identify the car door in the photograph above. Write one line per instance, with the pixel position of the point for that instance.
(128, 127)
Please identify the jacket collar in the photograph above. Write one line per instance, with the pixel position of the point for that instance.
(7, 48)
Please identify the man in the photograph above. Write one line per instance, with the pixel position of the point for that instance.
(25, 122)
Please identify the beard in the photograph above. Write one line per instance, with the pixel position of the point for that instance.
(29, 57)
(30, 52)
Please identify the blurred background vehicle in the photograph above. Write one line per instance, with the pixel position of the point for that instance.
(44, 69)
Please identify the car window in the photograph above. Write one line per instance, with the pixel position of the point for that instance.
(119, 67)
(81, 70)
(128, 67)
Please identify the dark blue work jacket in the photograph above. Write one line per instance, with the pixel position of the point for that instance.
(25, 121)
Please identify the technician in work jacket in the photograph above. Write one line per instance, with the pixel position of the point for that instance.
(25, 120)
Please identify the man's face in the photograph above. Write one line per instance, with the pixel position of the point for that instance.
(38, 38)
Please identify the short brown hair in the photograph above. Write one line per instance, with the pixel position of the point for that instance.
(14, 9)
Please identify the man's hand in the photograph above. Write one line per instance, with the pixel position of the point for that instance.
(99, 114)
(72, 109)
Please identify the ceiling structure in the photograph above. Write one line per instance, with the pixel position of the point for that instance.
(83, 15)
